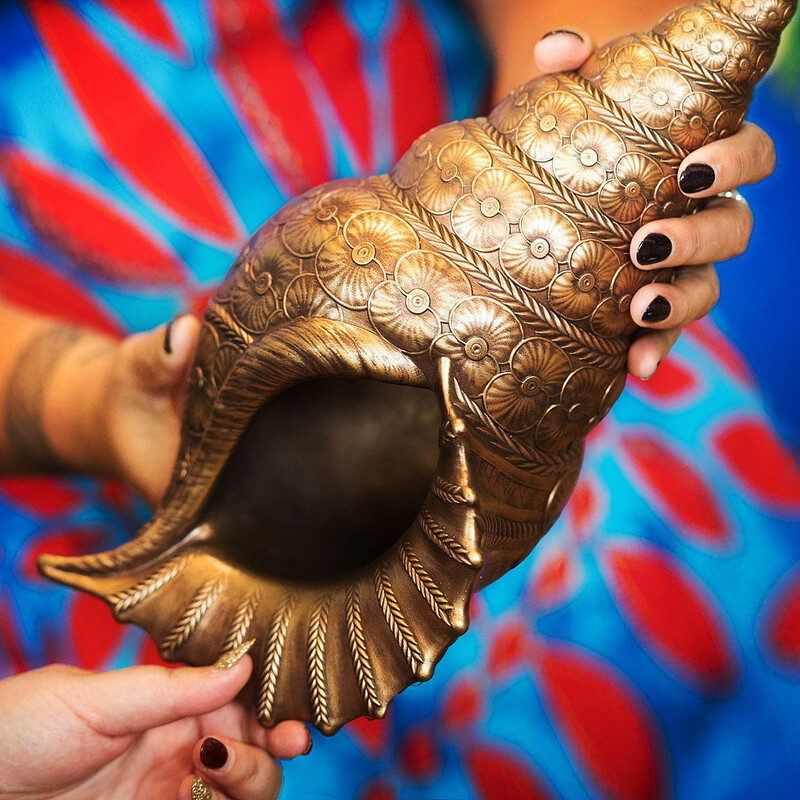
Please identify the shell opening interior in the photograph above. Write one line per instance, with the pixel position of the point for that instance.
(327, 478)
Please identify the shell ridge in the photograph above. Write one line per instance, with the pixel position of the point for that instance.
(360, 653)
(398, 625)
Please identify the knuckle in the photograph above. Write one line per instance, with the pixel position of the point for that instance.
(714, 289)
(249, 773)
(742, 228)
(766, 155)
(740, 159)
(693, 240)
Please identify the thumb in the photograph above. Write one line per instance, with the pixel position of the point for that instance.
(562, 50)
(160, 358)
(132, 700)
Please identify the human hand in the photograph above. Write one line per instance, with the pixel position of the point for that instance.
(137, 734)
(145, 393)
(718, 232)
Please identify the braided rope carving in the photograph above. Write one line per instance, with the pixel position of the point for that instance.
(584, 345)
(186, 625)
(241, 622)
(127, 599)
(317, 632)
(276, 640)
(649, 140)
(442, 539)
(360, 653)
(397, 622)
(426, 586)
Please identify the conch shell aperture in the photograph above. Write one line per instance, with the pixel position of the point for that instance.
(491, 266)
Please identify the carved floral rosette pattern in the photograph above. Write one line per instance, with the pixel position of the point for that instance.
(491, 266)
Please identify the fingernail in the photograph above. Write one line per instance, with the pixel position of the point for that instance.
(200, 790)
(658, 310)
(213, 754)
(653, 248)
(696, 178)
(168, 337)
(308, 746)
(563, 30)
(227, 660)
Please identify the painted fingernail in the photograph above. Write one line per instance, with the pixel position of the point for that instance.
(227, 660)
(653, 248)
(563, 30)
(658, 310)
(308, 746)
(168, 337)
(200, 790)
(213, 754)
(696, 178)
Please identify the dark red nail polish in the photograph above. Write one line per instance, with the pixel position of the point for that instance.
(308, 746)
(696, 178)
(168, 338)
(653, 248)
(658, 310)
(563, 30)
(213, 754)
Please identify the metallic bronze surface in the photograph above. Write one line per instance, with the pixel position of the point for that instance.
(344, 524)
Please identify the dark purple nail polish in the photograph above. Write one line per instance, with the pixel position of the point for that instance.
(658, 310)
(696, 178)
(653, 248)
(563, 30)
(213, 753)
(168, 338)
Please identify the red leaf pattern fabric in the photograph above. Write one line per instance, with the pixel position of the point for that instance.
(144, 143)
(675, 616)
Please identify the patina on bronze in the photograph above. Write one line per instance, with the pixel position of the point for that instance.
(324, 503)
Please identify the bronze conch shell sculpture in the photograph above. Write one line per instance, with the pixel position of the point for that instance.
(492, 267)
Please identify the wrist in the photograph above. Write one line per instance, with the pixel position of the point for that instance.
(75, 406)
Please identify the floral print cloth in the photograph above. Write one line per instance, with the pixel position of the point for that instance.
(650, 646)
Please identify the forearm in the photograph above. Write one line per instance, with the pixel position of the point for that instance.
(53, 378)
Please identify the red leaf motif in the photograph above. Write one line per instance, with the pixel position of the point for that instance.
(709, 337)
(200, 300)
(378, 790)
(86, 224)
(760, 461)
(95, 632)
(782, 628)
(149, 654)
(36, 287)
(498, 774)
(371, 734)
(10, 640)
(70, 542)
(335, 52)
(676, 486)
(508, 648)
(554, 579)
(605, 721)
(674, 383)
(463, 704)
(673, 613)
(586, 507)
(148, 18)
(144, 142)
(415, 79)
(46, 496)
(260, 68)
(419, 755)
